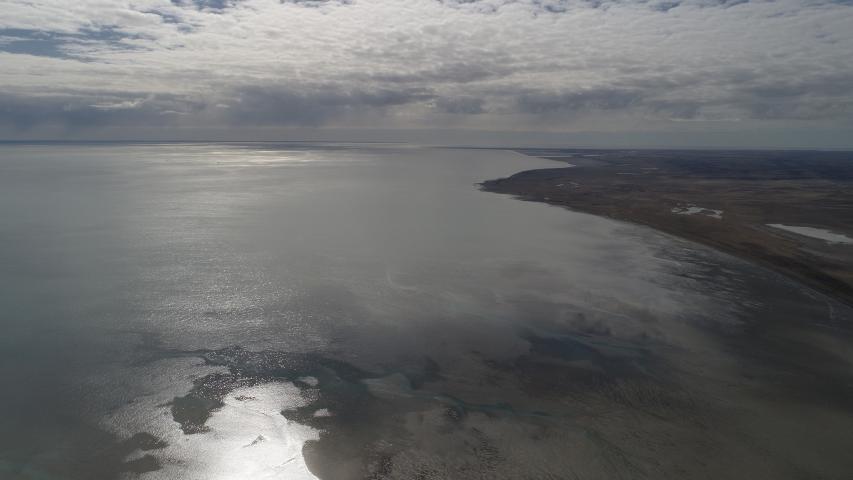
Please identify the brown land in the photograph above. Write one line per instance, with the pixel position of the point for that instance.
(751, 189)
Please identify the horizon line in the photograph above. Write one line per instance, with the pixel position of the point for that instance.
(459, 146)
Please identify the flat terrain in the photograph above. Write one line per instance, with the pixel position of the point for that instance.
(724, 199)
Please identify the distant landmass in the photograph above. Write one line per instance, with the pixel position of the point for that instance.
(791, 211)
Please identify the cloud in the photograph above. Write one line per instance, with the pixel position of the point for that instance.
(580, 100)
(313, 105)
(105, 109)
(508, 64)
(461, 105)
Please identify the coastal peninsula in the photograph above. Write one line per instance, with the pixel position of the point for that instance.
(791, 211)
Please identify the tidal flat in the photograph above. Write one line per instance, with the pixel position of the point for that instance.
(337, 311)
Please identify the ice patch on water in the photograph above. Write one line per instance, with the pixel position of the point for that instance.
(819, 233)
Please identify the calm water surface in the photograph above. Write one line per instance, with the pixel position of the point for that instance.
(225, 311)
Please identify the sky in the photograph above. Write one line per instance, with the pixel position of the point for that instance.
(739, 73)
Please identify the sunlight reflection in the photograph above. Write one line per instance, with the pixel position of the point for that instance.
(248, 439)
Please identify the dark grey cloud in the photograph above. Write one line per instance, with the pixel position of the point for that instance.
(581, 100)
(831, 85)
(677, 109)
(218, 5)
(245, 106)
(310, 105)
(457, 72)
(214, 4)
(81, 112)
(461, 105)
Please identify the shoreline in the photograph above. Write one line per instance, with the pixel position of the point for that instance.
(727, 200)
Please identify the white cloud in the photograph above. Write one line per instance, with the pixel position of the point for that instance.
(502, 64)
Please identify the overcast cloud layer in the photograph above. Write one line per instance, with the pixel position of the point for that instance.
(74, 69)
